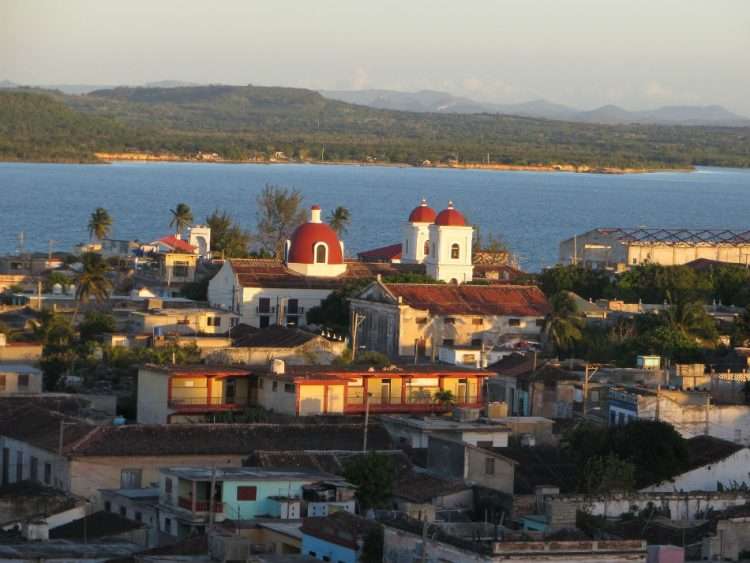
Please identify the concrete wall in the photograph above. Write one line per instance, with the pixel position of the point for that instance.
(318, 548)
(322, 350)
(279, 400)
(153, 397)
(502, 477)
(680, 506)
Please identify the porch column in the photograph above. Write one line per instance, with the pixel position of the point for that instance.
(325, 398)
(194, 485)
(403, 389)
(209, 381)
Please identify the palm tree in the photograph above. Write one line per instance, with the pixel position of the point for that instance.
(564, 324)
(339, 220)
(182, 217)
(100, 224)
(93, 281)
(690, 318)
(444, 397)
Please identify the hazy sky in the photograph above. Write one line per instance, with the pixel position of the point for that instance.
(635, 53)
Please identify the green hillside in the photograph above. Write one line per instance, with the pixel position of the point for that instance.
(241, 122)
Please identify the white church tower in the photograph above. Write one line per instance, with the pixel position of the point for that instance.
(416, 244)
(450, 253)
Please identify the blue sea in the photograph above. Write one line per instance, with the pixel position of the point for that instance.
(531, 211)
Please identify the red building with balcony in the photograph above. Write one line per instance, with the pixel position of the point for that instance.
(311, 390)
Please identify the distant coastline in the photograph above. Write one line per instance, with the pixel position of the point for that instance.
(109, 157)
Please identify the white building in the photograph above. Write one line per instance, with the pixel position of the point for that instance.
(270, 291)
(618, 248)
(18, 379)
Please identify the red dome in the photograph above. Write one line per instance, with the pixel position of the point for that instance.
(422, 214)
(304, 239)
(450, 217)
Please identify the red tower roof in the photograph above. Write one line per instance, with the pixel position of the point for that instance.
(450, 217)
(304, 239)
(422, 213)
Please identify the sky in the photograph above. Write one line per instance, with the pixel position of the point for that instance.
(639, 54)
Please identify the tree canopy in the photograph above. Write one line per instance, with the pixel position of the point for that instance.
(279, 212)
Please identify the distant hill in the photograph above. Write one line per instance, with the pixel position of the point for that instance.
(256, 123)
(442, 102)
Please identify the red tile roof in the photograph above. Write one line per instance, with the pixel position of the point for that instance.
(467, 299)
(384, 253)
(261, 272)
(178, 244)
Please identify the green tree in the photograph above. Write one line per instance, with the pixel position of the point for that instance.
(100, 224)
(95, 324)
(589, 284)
(58, 353)
(182, 217)
(93, 281)
(228, 239)
(333, 311)
(279, 212)
(372, 546)
(373, 474)
(605, 474)
(691, 319)
(563, 327)
(339, 220)
(444, 398)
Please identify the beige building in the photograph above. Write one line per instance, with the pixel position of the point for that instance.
(183, 321)
(401, 319)
(18, 379)
(617, 248)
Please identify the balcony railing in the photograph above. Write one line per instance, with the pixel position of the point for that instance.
(203, 403)
(407, 407)
(200, 505)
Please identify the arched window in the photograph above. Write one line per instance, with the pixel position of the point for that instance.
(455, 253)
(321, 253)
(427, 248)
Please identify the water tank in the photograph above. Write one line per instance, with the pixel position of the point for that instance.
(119, 420)
(278, 367)
(497, 409)
(57, 289)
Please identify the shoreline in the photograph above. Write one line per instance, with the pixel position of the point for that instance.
(109, 158)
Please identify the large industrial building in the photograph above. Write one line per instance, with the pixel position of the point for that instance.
(618, 248)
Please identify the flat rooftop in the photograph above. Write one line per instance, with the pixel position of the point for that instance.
(243, 474)
(439, 423)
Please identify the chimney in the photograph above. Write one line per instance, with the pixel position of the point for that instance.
(315, 214)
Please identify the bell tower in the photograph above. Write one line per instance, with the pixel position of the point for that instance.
(451, 238)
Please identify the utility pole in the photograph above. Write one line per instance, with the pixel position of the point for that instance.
(707, 429)
(211, 498)
(367, 421)
(590, 371)
(658, 393)
(357, 320)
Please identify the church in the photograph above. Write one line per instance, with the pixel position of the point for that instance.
(264, 292)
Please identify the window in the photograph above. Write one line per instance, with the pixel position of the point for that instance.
(489, 465)
(422, 321)
(265, 321)
(47, 473)
(275, 386)
(23, 379)
(264, 305)
(427, 248)
(484, 443)
(470, 359)
(107, 506)
(167, 485)
(123, 511)
(477, 322)
(34, 469)
(168, 525)
(455, 251)
(180, 269)
(19, 466)
(292, 306)
(449, 320)
(289, 387)
(247, 493)
(321, 253)
(540, 322)
(130, 479)
(447, 342)
(514, 322)
(213, 321)
(476, 341)
(139, 517)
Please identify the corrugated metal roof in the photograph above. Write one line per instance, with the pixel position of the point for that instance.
(677, 236)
